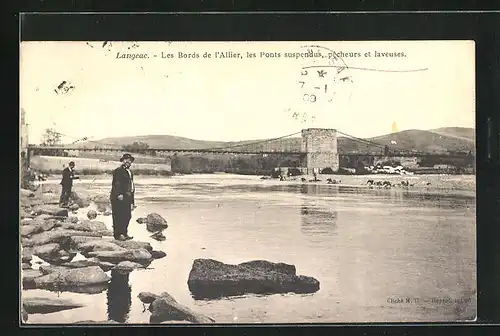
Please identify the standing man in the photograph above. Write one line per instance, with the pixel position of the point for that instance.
(68, 175)
(122, 197)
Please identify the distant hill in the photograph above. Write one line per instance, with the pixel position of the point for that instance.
(441, 140)
(459, 132)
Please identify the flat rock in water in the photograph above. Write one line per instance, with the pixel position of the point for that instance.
(133, 244)
(26, 254)
(29, 277)
(87, 225)
(155, 222)
(166, 308)
(99, 245)
(81, 263)
(213, 279)
(24, 313)
(127, 266)
(23, 214)
(47, 269)
(36, 226)
(26, 193)
(42, 305)
(49, 198)
(46, 251)
(104, 265)
(73, 219)
(77, 240)
(140, 256)
(72, 277)
(52, 210)
(58, 235)
(158, 254)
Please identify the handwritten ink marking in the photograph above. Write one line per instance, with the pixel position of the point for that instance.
(64, 87)
(324, 79)
(322, 73)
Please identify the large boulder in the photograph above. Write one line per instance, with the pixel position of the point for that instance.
(43, 305)
(62, 278)
(140, 256)
(165, 308)
(211, 279)
(155, 222)
(52, 210)
(25, 266)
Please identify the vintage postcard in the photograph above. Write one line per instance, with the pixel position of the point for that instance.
(247, 182)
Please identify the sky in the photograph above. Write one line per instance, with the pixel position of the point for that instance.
(230, 99)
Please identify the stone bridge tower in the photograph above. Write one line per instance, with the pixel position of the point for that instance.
(320, 146)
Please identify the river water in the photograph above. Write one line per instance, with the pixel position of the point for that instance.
(375, 252)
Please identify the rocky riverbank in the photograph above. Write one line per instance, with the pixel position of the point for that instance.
(56, 235)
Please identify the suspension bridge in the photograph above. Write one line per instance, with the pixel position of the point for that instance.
(318, 148)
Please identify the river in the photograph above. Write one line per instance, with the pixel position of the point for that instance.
(380, 255)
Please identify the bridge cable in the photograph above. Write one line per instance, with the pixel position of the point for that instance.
(251, 143)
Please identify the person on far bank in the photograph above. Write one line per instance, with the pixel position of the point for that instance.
(122, 197)
(68, 175)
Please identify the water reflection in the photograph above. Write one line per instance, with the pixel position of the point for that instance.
(119, 297)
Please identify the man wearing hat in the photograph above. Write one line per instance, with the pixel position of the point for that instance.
(122, 197)
(68, 175)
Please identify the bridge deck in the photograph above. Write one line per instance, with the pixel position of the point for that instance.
(246, 152)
